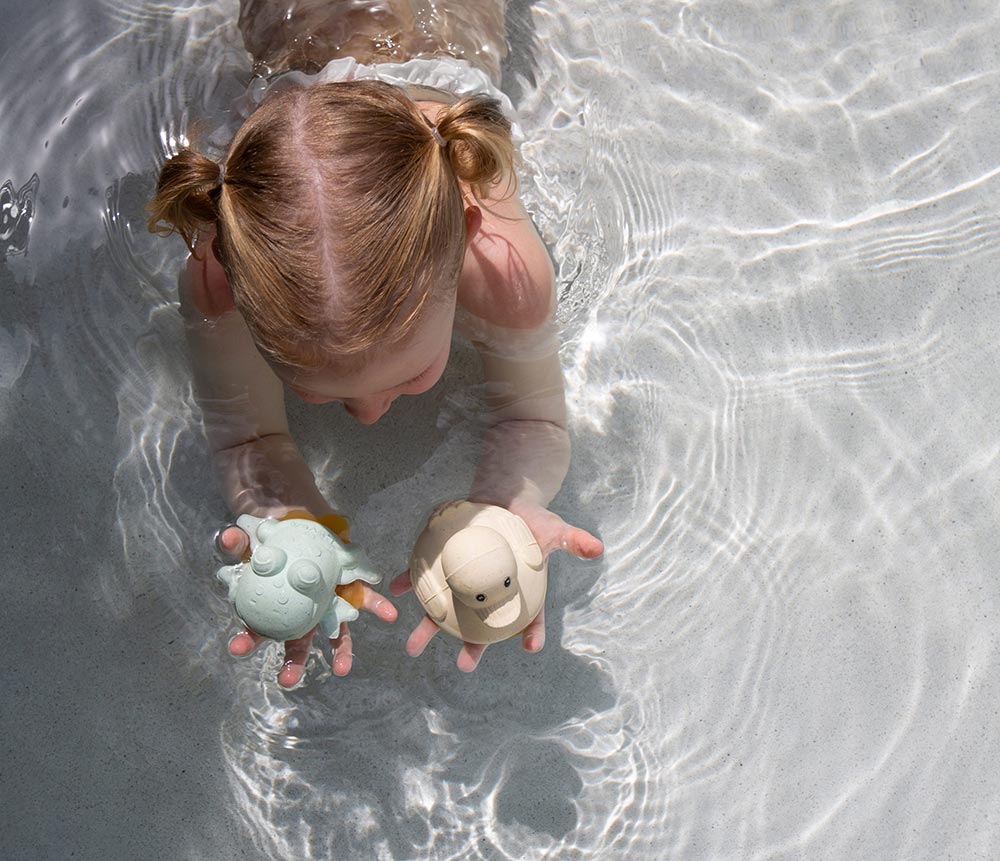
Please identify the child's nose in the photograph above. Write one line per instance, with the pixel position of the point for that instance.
(369, 410)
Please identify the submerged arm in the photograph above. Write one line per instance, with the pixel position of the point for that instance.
(259, 467)
(507, 294)
(526, 447)
(507, 299)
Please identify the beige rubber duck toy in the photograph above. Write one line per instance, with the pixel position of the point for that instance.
(478, 572)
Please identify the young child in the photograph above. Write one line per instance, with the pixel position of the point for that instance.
(359, 216)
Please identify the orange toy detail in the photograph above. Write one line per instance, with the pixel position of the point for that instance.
(353, 593)
(334, 522)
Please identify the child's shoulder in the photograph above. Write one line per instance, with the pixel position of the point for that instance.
(507, 278)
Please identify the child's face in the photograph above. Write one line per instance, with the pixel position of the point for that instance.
(408, 369)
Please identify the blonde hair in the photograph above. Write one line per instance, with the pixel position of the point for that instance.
(340, 184)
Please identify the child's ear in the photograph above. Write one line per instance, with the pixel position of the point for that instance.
(210, 290)
(473, 221)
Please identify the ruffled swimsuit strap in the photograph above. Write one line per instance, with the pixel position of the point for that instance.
(443, 79)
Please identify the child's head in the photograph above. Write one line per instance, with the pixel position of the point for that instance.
(339, 218)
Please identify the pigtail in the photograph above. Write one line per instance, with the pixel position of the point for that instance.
(187, 195)
(477, 143)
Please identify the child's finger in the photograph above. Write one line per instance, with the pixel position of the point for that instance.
(378, 605)
(343, 651)
(581, 543)
(400, 585)
(533, 636)
(233, 542)
(244, 643)
(421, 636)
(468, 657)
(296, 655)
(554, 533)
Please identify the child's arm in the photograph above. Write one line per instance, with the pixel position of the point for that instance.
(259, 468)
(508, 288)
(507, 298)
(526, 447)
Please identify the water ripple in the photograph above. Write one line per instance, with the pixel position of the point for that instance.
(108, 75)
(17, 209)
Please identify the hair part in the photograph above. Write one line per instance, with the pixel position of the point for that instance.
(338, 216)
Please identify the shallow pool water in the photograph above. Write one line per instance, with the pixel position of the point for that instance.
(776, 232)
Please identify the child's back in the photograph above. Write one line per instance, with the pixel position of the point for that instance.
(305, 35)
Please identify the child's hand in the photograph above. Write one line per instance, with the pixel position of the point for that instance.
(235, 542)
(552, 533)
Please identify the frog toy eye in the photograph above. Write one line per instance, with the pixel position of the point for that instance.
(268, 561)
(480, 597)
(506, 583)
(304, 575)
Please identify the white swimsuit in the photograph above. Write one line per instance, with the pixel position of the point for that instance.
(450, 74)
